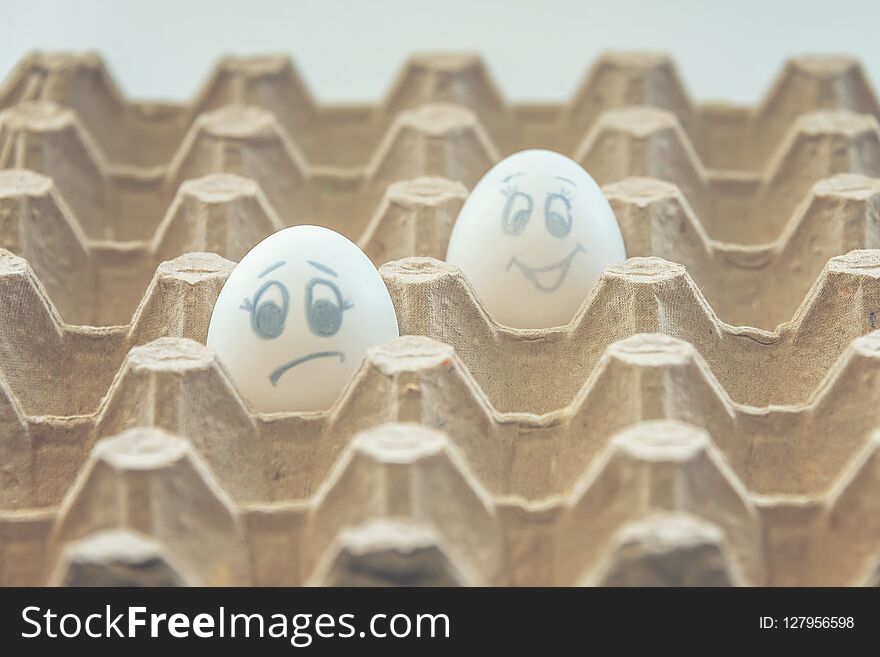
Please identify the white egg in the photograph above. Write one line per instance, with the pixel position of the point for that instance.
(296, 316)
(533, 237)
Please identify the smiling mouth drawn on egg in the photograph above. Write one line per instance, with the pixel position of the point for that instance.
(278, 372)
(559, 270)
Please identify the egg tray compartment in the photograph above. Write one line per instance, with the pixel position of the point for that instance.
(726, 136)
(526, 448)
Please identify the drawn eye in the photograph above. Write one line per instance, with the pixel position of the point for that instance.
(557, 215)
(517, 211)
(324, 307)
(268, 310)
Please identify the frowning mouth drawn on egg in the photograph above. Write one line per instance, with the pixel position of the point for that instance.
(279, 371)
(554, 275)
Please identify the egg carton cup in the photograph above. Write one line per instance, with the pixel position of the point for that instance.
(726, 136)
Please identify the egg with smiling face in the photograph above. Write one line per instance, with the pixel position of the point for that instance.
(533, 237)
(296, 316)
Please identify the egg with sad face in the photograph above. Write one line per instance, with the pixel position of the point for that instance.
(533, 237)
(296, 316)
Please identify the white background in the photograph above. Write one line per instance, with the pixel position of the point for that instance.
(351, 50)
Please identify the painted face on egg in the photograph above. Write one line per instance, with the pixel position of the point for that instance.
(519, 207)
(533, 237)
(270, 306)
(296, 316)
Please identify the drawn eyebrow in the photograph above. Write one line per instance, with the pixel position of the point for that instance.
(513, 175)
(271, 268)
(323, 268)
(566, 180)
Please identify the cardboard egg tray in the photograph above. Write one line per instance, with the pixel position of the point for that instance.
(708, 417)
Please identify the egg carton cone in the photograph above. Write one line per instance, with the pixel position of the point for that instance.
(725, 135)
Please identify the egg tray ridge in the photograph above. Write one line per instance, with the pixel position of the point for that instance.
(726, 136)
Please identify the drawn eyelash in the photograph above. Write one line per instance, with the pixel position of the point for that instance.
(563, 195)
